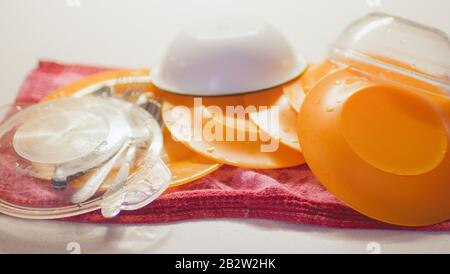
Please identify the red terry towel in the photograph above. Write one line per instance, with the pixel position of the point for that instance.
(291, 194)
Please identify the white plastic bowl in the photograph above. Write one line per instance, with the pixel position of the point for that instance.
(227, 57)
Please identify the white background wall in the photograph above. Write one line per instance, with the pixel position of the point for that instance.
(131, 32)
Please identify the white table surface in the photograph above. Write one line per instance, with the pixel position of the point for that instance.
(130, 34)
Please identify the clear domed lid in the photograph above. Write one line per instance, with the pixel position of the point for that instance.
(397, 44)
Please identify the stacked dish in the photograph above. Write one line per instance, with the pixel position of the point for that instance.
(371, 121)
(90, 152)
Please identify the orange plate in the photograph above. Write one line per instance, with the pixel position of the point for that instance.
(297, 90)
(381, 146)
(223, 136)
(288, 99)
(186, 166)
(276, 117)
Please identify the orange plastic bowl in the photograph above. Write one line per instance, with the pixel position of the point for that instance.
(381, 146)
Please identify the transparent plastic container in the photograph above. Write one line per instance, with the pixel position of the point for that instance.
(396, 45)
(374, 126)
(70, 156)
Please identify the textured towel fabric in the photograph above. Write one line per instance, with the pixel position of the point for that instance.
(291, 194)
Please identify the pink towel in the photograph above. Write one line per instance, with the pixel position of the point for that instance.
(291, 194)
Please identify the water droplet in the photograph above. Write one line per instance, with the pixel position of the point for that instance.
(338, 82)
(330, 109)
(210, 149)
(295, 141)
(351, 80)
(364, 79)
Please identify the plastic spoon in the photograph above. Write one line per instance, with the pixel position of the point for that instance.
(96, 180)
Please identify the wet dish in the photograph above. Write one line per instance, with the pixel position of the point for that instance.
(374, 128)
(185, 165)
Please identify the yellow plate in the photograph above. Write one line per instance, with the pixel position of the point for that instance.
(223, 136)
(186, 166)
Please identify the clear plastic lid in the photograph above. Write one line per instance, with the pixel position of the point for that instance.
(398, 45)
(74, 155)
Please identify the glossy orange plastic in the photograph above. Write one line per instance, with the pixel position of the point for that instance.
(277, 118)
(379, 140)
(253, 149)
(297, 90)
